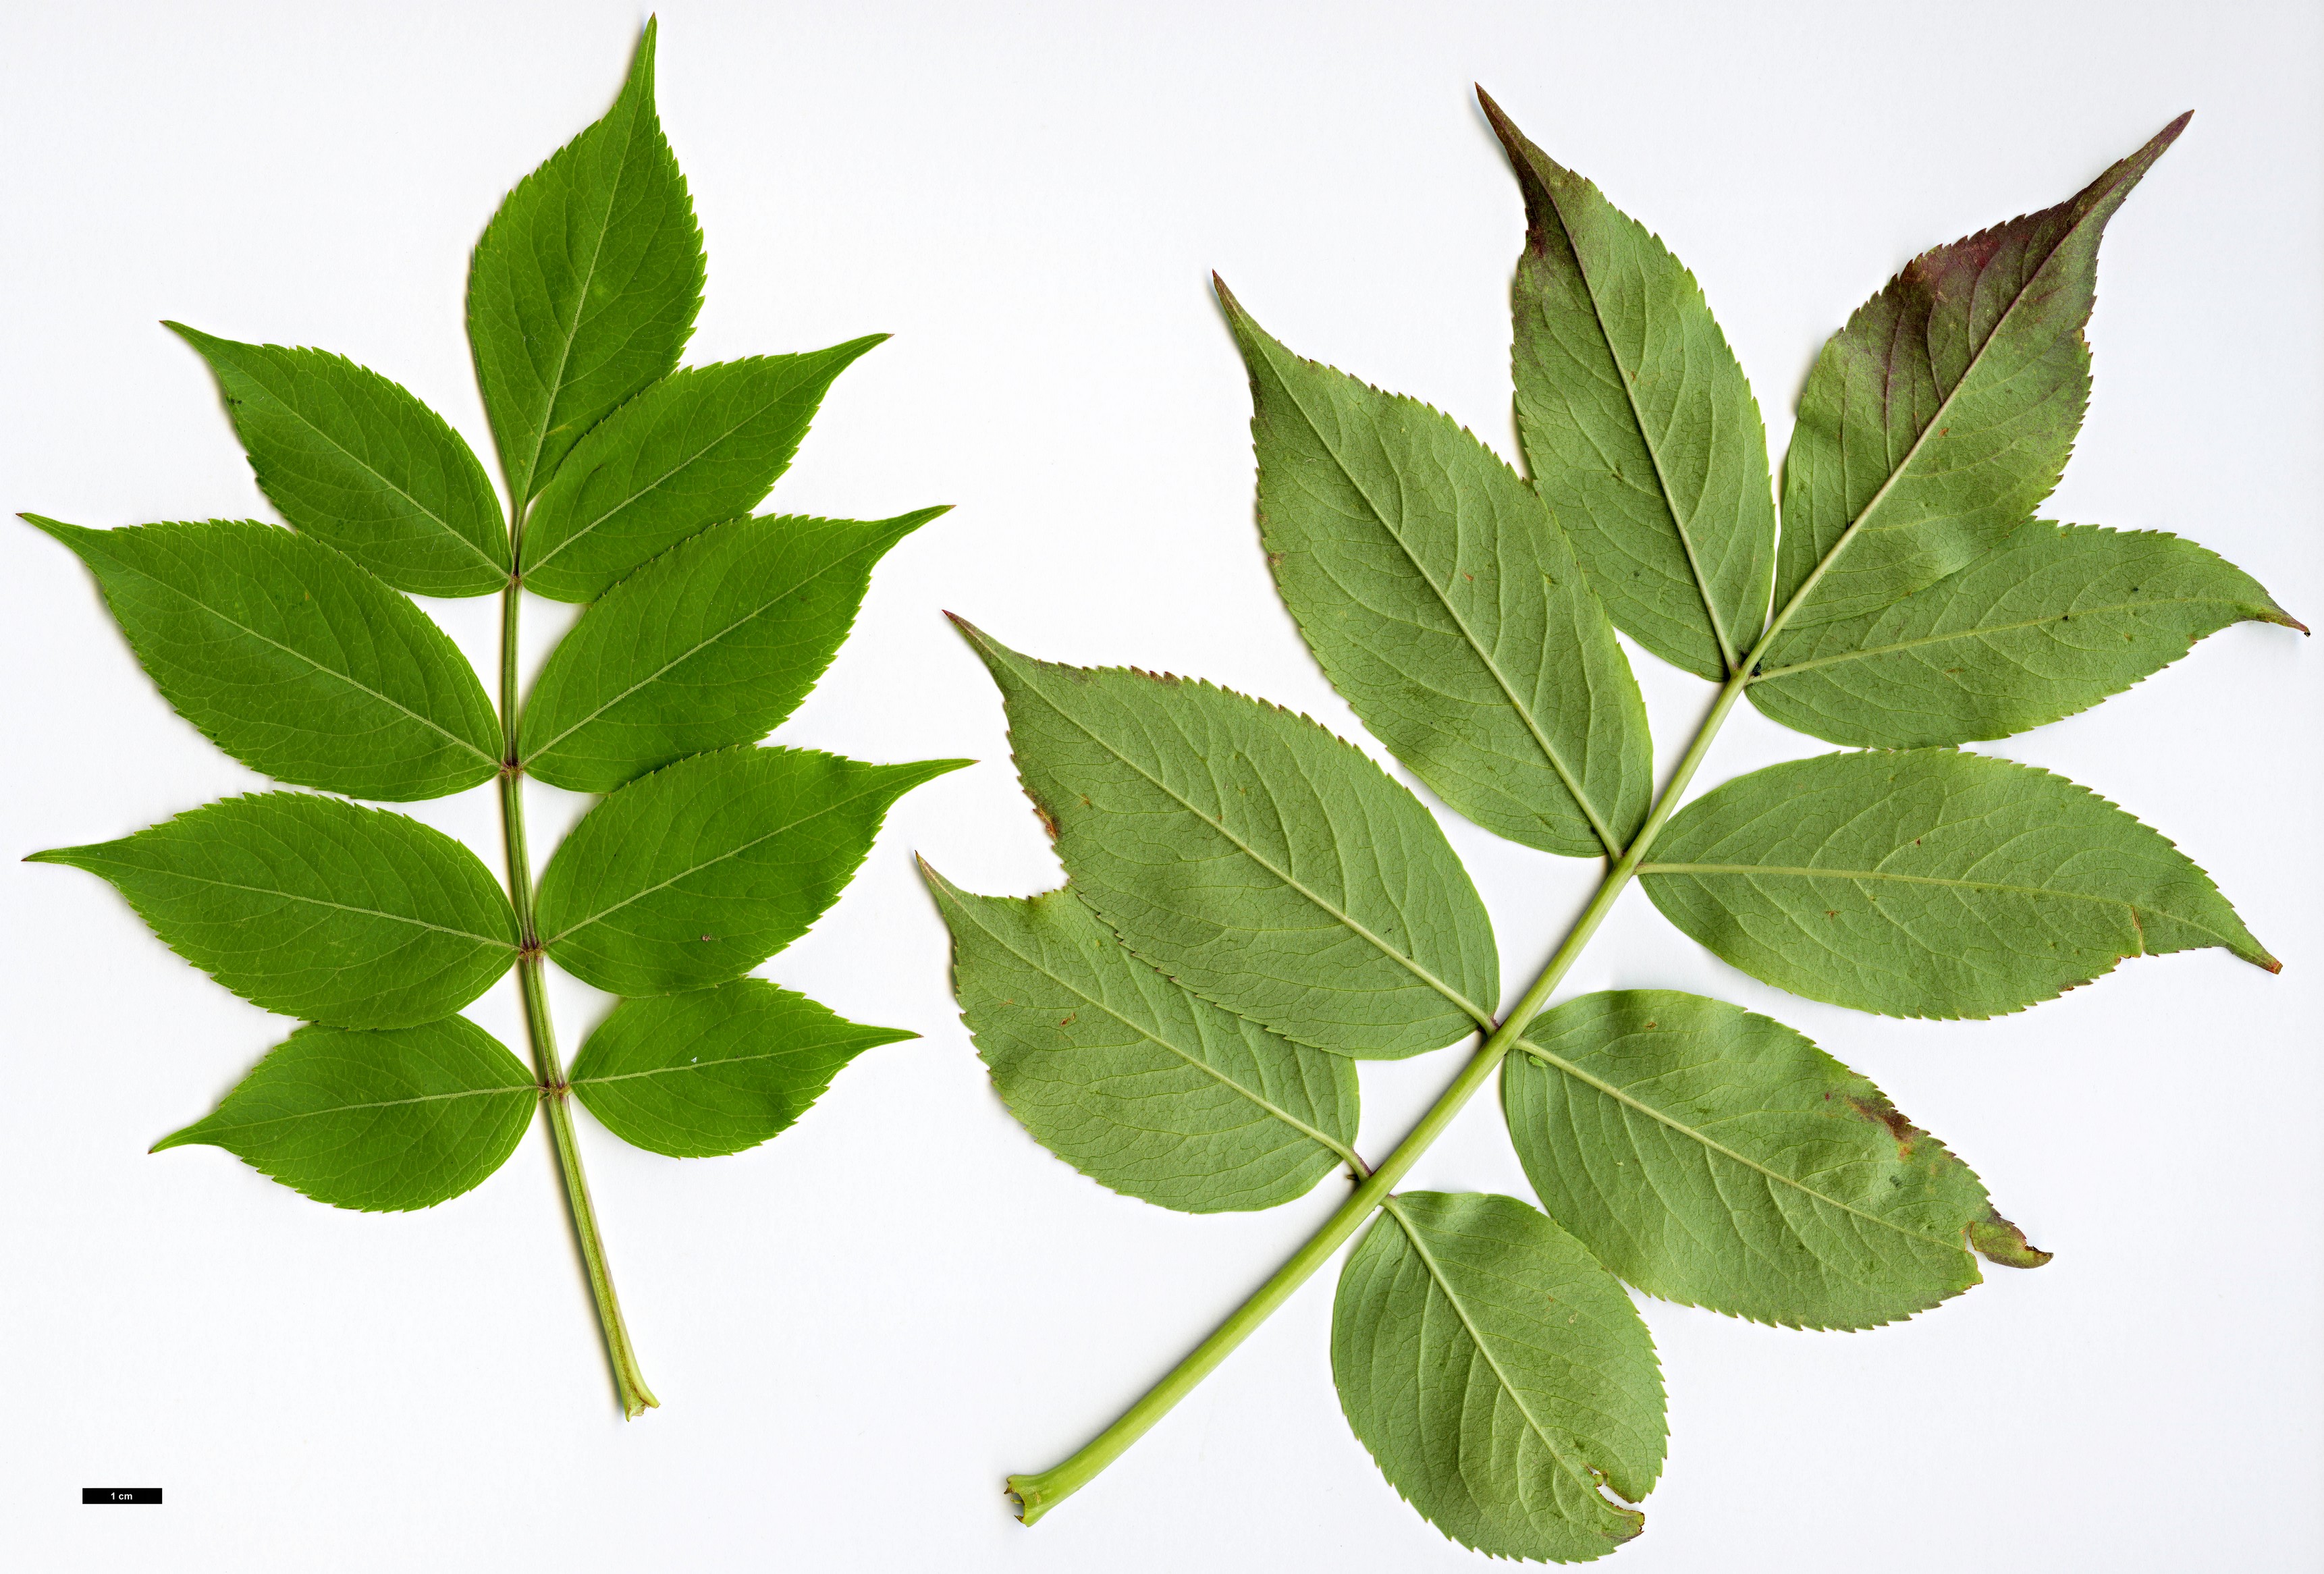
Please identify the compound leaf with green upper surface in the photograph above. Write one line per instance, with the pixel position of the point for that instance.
(1640, 426)
(294, 650)
(1710, 1155)
(315, 907)
(1218, 835)
(585, 286)
(1446, 605)
(355, 461)
(698, 447)
(381, 1121)
(1499, 1376)
(1131, 1078)
(716, 1070)
(695, 874)
(293, 659)
(1929, 883)
(1938, 419)
(709, 645)
(2050, 622)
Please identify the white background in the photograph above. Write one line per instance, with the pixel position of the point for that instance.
(858, 1330)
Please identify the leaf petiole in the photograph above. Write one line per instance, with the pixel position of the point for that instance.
(540, 1032)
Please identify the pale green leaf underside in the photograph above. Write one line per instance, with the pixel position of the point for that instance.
(1942, 414)
(1638, 425)
(380, 1121)
(700, 446)
(1266, 865)
(315, 908)
(1712, 1156)
(715, 1071)
(585, 286)
(695, 874)
(709, 645)
(1446, 605)
(1132, 1079)
(2050, 622)
(293, 659)
(1929, 883)
(355, 461)
(1499, 1375)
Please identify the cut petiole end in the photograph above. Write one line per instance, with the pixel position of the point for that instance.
(637, 1398)
(1032, 1497)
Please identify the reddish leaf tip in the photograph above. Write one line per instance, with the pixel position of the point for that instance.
(983, 642)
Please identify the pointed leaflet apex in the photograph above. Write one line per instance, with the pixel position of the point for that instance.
(1529, 162)
(1937, 420)
(194, 337)
(989, 650)
(641, 59)
(55, 530)
(937, 885)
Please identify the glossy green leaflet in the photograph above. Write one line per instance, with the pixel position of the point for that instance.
(1252, 905)
(630, 486)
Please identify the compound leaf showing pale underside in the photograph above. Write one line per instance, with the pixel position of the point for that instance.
(1446, 605)
(1131, 1078)
(709, 645)
(700, 446)
(1638, 423)
(716, 1070)
(380, 1121)
(1936, 421)
(293, 660)
(585, 286)
(1713, 1156)
(1269, 866)
(1499, 1376)
(355, 460)
(1929, 883)
(2050, 622)
(315, 907)
(695, 874)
